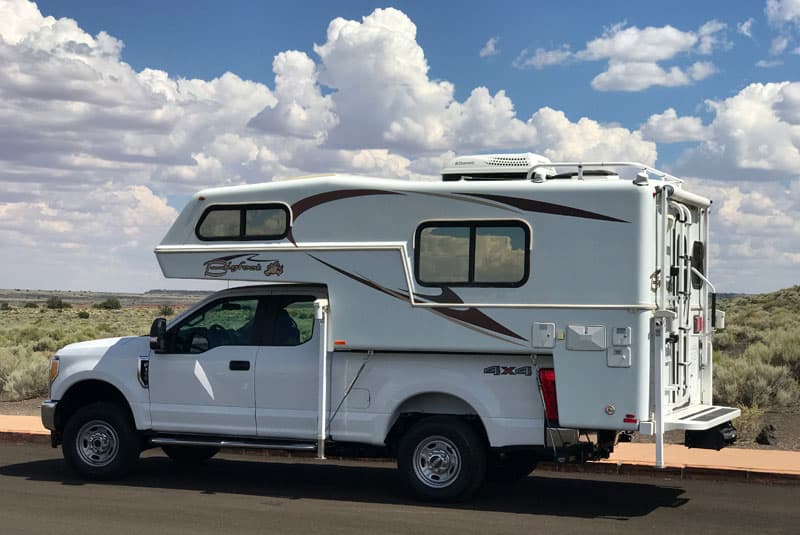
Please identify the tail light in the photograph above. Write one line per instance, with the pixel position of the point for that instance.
(547, 382)
(698, 324)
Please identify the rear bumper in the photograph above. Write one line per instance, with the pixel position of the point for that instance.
(49, 414)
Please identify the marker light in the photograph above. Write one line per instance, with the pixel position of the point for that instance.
(54, 368)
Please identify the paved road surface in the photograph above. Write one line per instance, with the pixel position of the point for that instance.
(235, 495)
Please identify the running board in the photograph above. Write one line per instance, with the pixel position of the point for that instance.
(224, 443)
(700, 417)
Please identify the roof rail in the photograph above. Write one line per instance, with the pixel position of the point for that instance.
(666, 177)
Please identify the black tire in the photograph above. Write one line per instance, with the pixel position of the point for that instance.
(190, 454)
(454, 466)
(508, 467)
(100, 442)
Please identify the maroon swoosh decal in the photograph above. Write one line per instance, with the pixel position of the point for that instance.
(363, 280)
(529, 205)
(472, 316)
(447, 296)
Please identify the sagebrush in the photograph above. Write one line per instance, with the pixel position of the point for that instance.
(30, 336)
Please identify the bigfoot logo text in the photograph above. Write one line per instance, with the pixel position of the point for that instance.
(219, 267)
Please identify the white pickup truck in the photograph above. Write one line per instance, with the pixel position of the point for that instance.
(240, 369)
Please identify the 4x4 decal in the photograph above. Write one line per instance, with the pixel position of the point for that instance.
(508, 370)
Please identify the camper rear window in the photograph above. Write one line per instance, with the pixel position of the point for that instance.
(472, 253)
(244, 222)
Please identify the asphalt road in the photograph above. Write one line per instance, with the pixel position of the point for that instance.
(234, 494)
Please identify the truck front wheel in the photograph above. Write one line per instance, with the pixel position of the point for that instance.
(442, 459)
(100, 442)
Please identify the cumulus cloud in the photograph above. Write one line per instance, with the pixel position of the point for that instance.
(746, 27)
(586, 139)
(490, 48)
(778, 45)
(541, 58)
(768, 63)
(753, 221)
(783, 12)
(667, 127)
(90, 148)
(301, 109)
(634, 55)
(754, 133)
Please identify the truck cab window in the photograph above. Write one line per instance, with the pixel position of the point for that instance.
(230, 322)
(293, 323)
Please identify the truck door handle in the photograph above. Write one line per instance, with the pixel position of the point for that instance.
(240, 365)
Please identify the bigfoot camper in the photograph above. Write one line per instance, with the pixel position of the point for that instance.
(516, 310)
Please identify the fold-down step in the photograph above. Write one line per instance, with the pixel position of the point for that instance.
(700, 417)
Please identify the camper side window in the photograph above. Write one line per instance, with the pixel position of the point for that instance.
(244, 222)
(472, 253)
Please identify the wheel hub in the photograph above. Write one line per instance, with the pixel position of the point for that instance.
(97, 443)
(437, 462)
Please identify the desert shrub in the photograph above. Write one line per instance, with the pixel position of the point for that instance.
(30, 304)
(56, 303)
(29, 379)
(753, 383)
(109, 304)
(83, 314)
(784, 350)
(23, 374)
(5, 306)
(45, 344)
(165, 310)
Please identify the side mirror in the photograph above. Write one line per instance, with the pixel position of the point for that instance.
(158, 335)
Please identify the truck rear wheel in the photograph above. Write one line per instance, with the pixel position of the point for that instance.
(442, 459)
(190, 454)
(100, 442)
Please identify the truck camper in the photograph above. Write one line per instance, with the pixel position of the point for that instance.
(517, 310)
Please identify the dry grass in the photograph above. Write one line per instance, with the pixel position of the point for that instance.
(30, 336)
(757, 357)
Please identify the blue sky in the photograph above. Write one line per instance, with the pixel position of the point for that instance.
(203, 39)
(113, 112)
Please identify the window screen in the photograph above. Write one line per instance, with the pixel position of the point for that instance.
(481, 253)
(499, 254)
(244, 222)
(265, 222)
(220, 224)
(444, 254)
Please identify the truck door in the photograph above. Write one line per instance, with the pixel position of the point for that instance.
(287, 370)
(204, 383)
